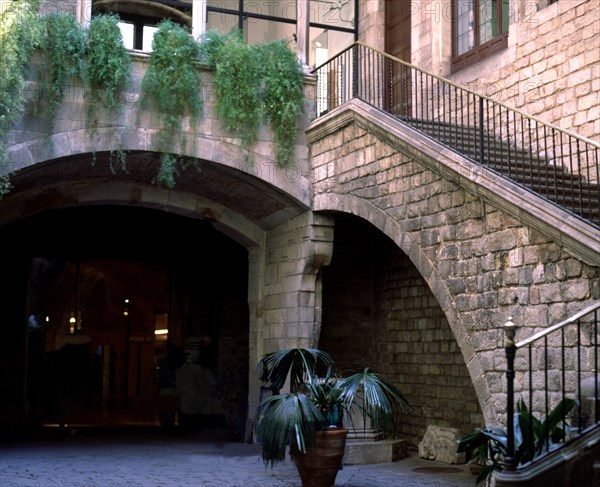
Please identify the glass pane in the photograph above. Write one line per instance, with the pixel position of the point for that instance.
(258, 31)
(336, 13)
(221, 22)
(464, 22)
(285, 9)
(127, 31)
(505, 15)
(226, 4)
(488, 20)
(147, 36)
(326, 43)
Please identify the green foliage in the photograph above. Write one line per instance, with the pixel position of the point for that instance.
(171, 80)
(533, 437)
(171, 84)
(297, 419)
(237, 84)
(20, 35)
(65, 50)
(283, 97)
(255, 80)
(316, 402)
(108, 63)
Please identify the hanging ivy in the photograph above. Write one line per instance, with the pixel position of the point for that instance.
(20, 35)
(171, 85)
(237, 85)
(255, 80)
(65, 52)
(250, 81)
(283, 97)
(108, 63)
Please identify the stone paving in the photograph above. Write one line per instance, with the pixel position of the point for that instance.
(152, 460)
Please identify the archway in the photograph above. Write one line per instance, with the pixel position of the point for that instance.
(104, 284)
(379, 311)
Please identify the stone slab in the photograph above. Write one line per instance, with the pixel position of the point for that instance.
(367, 452)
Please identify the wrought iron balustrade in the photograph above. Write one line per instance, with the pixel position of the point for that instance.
(558, 362)
(558, 165)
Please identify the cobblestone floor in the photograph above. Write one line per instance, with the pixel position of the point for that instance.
(152, 460)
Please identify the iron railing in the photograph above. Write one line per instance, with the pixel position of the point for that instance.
(558, 165)
(558, 362)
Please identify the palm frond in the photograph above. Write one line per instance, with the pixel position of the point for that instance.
(298, 363)
(292, 419)
(378, 399)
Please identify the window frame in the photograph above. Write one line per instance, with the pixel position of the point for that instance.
(244, 14)
(485, 49)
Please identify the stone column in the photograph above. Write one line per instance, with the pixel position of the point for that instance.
(284, 292)
(295, 252)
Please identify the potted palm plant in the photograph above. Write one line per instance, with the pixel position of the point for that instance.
(309, 418)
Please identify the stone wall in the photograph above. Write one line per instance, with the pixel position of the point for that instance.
(550, 69)
(415, 345)
(379, 312)
(481, 264)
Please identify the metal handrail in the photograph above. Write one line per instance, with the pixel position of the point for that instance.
(568, 360)
(558, 326)
(554, 163)
(460, 87)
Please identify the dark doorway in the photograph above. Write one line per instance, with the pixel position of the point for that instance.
(97, 292)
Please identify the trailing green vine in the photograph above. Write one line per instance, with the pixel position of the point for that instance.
(107, 70)
(108, 63)
(20, 35)
(255, 80)
(250, 81)
(237, 85)
(283, 97)
(65, 51)
(172, 83)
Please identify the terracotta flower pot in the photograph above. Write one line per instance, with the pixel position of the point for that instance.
(319, 466)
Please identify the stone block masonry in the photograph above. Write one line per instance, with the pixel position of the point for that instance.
(481, 263)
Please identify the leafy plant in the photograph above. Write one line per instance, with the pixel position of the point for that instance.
(255, 80)
(171, 83)
(487, 447)
(20, 35)
(315, 402)
(65, 49)
(237, 82)
(108, 63)
(283, 97)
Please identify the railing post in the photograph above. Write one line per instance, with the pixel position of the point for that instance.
(481, 119)
(355, 70)
(511, 349)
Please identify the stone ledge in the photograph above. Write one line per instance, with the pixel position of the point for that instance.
(367, 452)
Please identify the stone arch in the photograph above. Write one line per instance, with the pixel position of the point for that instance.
(393, 229)
(226, 152)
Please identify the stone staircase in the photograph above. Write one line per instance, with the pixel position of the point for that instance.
(555, 183)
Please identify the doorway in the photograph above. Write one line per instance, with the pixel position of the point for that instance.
(106, 287)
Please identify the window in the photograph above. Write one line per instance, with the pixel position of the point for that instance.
(138, 23)
(332, 25)
(480, 28)
(332, 28)
(259, 20)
